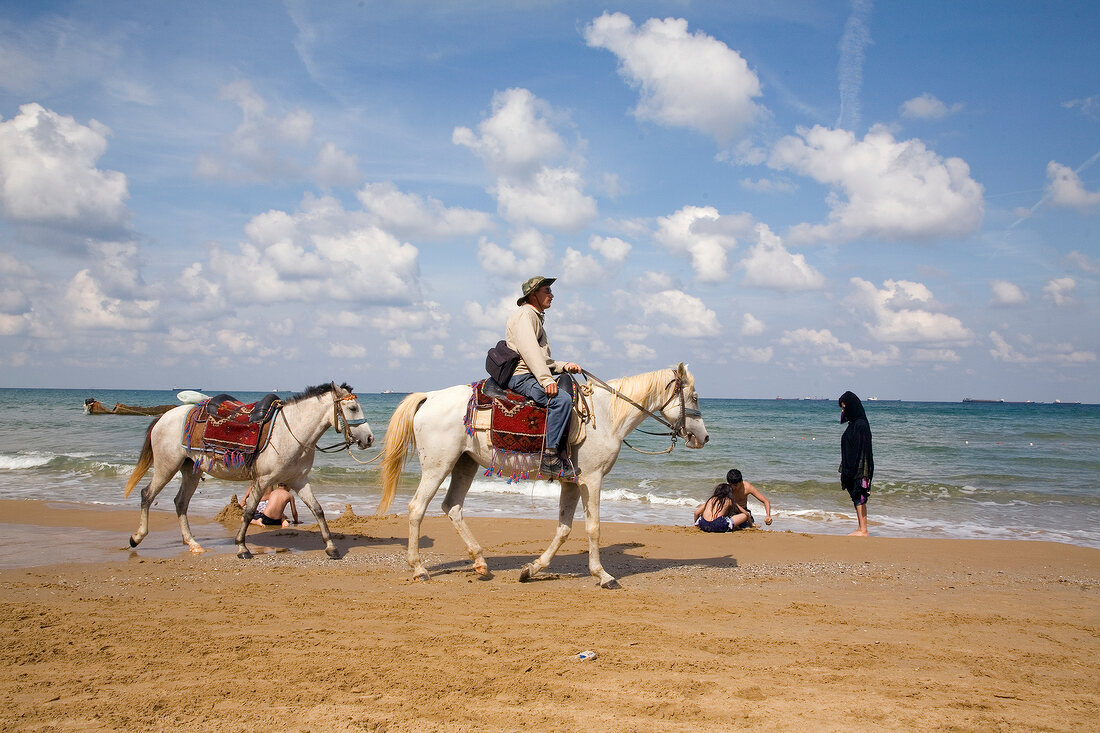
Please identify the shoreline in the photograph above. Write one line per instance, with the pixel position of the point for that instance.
(777, 630)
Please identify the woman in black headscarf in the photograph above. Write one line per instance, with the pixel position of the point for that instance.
(857, 462)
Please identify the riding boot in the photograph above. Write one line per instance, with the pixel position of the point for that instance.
(551, 464)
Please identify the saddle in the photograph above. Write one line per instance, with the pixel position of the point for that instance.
(226, 430)
(516, 428)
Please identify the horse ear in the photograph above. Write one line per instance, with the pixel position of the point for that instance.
(681, 371)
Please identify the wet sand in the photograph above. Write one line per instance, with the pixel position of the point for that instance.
(768, 629)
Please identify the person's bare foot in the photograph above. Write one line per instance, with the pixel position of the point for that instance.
(859, 533)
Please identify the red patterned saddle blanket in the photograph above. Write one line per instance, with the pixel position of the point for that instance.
(228, 431)
(516, 424)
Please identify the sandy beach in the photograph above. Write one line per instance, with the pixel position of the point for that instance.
(765, 629)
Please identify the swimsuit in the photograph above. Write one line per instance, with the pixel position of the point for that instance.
(268, 521)
(721, 524)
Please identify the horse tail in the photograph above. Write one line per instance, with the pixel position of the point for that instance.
(144, 461)
(399, 436)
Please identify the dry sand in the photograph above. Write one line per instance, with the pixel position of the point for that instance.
(768, 629)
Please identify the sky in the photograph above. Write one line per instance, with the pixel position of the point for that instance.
(794, 198)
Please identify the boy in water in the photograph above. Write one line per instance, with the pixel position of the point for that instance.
(742, 490)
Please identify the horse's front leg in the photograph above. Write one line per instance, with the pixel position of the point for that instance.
(461, 478)
(248, 511)
(567, 507)
(188, 484)
(591, 494)
(305, 493)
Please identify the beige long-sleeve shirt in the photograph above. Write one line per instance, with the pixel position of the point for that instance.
(525, 334)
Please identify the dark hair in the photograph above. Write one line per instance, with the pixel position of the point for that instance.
(733, 476)
(723, 498)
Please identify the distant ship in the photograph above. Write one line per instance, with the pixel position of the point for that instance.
(971, 399)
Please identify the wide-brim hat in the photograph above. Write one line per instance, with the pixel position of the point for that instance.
(532, 284)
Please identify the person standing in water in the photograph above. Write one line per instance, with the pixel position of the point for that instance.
(857, 462)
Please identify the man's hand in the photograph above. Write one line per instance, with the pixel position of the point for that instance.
(572, 367)
(551, 389)
(768, 520)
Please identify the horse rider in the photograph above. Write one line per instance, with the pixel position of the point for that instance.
(533, 377)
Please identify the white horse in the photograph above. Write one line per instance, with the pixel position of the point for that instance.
(286, 459)
(433, 421)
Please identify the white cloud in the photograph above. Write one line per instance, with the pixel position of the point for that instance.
(1084, 262)
(335, 168)
(86, 307)
(856, 38)
(1006, 293)
(517, 143)
(423, 321)
(319, 253)
(699, 232)
(347, 351)
(529, 251)
(1058, 353)
(768, 185)
(1089, 106)
(751, 325)
(769, 265)
(493, 317)
(399, 348)
(927, 107)
(613, 249)
(410, 215)
(687, 315)
(684, 80)
(901, 312)
(1060, 290)
(580, 268)
(1065, 188)
(48, 173)
(518, 136)
(894, 189)
(552, 197)
(935, 355)
(827, 350)
(755, 355)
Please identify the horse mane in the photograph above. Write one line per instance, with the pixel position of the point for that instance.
(316, 391)
(640, 388)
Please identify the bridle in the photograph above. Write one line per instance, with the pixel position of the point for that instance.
(676, 429)
(341, 424)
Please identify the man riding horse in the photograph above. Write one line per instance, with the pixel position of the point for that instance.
(534, 378)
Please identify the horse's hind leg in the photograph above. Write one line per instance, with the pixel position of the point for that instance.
(248, 511)
(567, 507)
(461, 477)
(188, 484)
(161, 476)
(305, 493)
(431, 477)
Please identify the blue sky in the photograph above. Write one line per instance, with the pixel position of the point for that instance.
(795, 198)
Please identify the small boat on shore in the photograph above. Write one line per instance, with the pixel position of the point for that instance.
(92, 406)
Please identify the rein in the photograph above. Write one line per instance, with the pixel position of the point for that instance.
(675, 429)
(340, 424)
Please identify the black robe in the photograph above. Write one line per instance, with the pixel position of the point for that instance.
(856, 458)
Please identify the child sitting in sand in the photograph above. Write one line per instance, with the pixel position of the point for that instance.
(720, 513)
(271, 510)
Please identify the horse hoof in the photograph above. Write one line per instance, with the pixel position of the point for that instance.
(196, 550)
(244, 555)
(611, 585)
(525, 573)
(333, 553)
(132, 543)
(422, 577)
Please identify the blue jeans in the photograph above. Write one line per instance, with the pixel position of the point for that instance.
(557, 411)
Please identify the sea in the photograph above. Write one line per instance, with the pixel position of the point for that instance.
(976, 470)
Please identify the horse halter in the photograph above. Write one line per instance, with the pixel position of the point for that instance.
(677, 429)
(340, 421)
